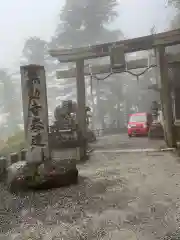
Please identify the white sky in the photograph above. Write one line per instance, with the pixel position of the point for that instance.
(20, 19)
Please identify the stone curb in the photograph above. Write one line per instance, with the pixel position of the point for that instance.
(146, 150)
(6, 161)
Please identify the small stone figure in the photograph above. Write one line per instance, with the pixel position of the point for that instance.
(65, 131)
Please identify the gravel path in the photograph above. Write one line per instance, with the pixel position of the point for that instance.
(122, 141)
(119, 196)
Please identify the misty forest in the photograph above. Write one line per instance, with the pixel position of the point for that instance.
(111, 99)
(102, 160)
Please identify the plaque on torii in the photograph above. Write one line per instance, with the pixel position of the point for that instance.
(117, 58)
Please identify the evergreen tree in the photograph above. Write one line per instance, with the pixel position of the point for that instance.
(86, 22)
(175, 3)
(176, 21)
(9, 105)
(35, 51)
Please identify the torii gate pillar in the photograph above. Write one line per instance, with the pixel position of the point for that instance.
(81, 111)
(165, 94)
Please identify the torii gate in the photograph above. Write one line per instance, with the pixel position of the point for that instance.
(116, 51)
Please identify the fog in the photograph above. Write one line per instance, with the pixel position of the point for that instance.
(30, 28)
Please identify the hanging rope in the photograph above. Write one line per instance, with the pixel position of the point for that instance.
(126, 71)
(99, 79)
(137, 75)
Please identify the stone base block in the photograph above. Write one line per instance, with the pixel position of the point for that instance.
(50, 175)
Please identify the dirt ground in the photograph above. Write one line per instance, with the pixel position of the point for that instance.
(119, 196)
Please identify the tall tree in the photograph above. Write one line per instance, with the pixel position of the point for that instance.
(85, 23)
(111, 98)
(175, 3)
(35, 51)
(9, 104)
(176, 21)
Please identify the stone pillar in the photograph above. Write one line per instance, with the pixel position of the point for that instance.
(14, 158)
(175, 75)
(81, 111)
(165, 91)
(23, 154)
(35, 110)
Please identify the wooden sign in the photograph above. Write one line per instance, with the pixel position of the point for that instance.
(35, 111)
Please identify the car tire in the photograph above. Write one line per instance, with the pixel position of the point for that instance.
(129, 135)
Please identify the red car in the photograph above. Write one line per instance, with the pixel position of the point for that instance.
(139, 124)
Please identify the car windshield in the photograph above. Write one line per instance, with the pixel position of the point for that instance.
(138, 118)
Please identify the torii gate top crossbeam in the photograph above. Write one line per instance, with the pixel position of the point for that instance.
(130, 45)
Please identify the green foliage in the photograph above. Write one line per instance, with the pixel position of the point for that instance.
(83, 23)
(175, 23)
(35, 50)
(10, 104)
(103, 10)
(175, 3)
(14, 144)
(8, 93)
